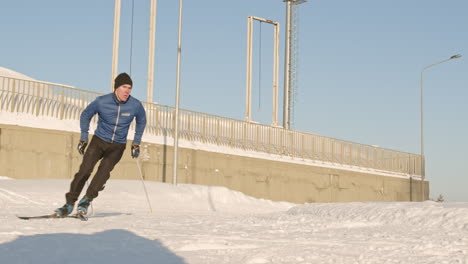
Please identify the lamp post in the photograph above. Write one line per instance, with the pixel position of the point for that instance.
(115, 43)
(152, 40)
(176, 125)
(423, 160)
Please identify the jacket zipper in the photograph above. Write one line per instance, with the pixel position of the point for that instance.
(116, 123)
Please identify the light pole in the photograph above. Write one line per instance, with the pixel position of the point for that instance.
(176, 125)
(423, 160)
(152, 40)
(115, 43)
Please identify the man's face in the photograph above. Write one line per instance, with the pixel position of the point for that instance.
(123, 92)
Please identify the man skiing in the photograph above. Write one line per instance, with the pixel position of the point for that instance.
(116, 112)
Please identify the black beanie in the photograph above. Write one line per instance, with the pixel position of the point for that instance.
(122, 79)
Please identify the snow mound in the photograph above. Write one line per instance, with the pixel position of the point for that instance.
(426, 214)
(222, 198)
(13, 74)
(170, 197)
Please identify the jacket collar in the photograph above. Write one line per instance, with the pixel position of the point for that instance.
(117, 100)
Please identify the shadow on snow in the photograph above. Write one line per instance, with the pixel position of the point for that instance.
(111, 246)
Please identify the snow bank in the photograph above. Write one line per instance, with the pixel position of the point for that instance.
(201, 225)
(195, 198)
(14, 74)
(427, 214)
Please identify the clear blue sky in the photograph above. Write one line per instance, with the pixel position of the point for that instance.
(359, 68)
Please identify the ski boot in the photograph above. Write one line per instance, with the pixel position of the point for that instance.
(65, 210)
(83, 205)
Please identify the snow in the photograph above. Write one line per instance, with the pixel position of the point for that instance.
(202, 224)
(13, 74)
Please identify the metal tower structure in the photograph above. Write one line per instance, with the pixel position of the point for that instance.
(248, 94)
(290, 61)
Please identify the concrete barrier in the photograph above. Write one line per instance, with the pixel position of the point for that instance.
(31, 153)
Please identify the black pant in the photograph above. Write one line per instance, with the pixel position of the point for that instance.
(110, 153)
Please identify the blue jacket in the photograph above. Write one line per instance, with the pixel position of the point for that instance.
(114, 119)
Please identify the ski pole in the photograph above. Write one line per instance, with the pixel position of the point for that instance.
(143, 182)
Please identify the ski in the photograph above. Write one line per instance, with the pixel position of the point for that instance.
(82, 217)
(54, 216)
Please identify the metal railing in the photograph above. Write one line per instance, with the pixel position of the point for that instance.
(65, 102)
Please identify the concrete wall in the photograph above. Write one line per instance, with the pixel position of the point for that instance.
(27, 153)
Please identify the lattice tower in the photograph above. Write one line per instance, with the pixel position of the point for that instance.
(294, 58)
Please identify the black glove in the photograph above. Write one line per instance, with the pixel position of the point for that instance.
(135, 151)
(82, 146)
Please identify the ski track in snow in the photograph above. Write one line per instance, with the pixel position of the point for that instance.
(16, 198)
(200, 224)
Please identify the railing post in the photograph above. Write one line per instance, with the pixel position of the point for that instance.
(257, 148)
(290, 143)
(38, 99)
(302, 146)
(13, 97)
(323, 148)
(390, 165)
(155, 112)
(189, 127)
(24, 98)
(345, 158)
(313, 142)
(233, 131)
(82, 104)
(62, 102)
(350, 154)
(269, 140)
(165, 121)
(204, 129)
(401, 167)
(360, 163)
(244, 141)
(4, 99)
(368, 161)
(379, 158)
(173, 120)
(374, 157)
(217, 131)
(283, 150)
(333, 150)
(357, 161)
(388, 157)
(384, 159)
(384, 162)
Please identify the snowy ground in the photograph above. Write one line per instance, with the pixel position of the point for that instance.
(200, 224)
